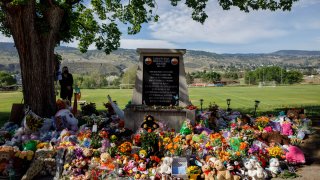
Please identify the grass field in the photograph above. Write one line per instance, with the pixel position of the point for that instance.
(242, 98)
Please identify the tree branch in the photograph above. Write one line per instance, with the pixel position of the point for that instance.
(72, 2)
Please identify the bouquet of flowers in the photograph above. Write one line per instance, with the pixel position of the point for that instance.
(217, 139)
(275, 152)
(262, 122)
(125, 148)
(193, 170)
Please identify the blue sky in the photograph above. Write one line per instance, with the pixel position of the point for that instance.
(229, 31)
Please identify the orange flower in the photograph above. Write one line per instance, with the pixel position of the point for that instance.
(238, 153)
(169, 146)
(176, 139)
(175, 146)
(243, 145)
(215, 136)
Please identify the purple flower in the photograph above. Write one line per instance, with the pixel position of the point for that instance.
(254, 148)
(78, 152)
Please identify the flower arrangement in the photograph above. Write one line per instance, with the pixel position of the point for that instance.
(217, 140)
(125, 148)
(235, 155)
(224, 155)
(149, 142)
(275, 152)
(34, 123)
(193, 170)
(262, 121)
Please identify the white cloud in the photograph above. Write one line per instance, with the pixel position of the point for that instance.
(317, 39)
(305, 3)
(222, 27)
(131, 44)
(5, 39)
(143, 43)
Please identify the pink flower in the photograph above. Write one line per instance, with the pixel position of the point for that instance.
(268, 129)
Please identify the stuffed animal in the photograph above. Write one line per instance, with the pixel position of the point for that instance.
(142, 167)
(149, 123)
(250, 166)
(106, 161)
(166, 167)
(274, 167)
(286, 129)
(222, 172)
(65, 119)
(295, 155)
(207, 173)
(275, 137)
(261, 173)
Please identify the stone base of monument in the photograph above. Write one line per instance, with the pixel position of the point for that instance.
(172, 118)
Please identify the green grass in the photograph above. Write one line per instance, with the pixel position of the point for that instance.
(241, 97)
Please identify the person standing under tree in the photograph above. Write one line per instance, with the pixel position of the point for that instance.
(66, 84)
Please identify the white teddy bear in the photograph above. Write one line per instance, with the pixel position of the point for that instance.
(166, 167)
(274, 167)
(254, 170)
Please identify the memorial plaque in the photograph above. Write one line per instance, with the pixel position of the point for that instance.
(160, 80)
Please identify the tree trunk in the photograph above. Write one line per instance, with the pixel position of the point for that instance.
(36, 54)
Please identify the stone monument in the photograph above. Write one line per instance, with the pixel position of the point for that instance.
(160, 89)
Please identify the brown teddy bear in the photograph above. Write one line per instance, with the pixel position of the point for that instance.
(275, 137)
(223, 173)
(207, 173)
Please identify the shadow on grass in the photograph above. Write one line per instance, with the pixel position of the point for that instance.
(312, 111)
(4, 117)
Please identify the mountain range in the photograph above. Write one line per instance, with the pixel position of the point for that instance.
(119, 60)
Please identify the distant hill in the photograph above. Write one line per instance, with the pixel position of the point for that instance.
(121, 59)
(296, 53)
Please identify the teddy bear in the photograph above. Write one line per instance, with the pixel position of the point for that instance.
(250, 165)
(261, 173)
(274, 167)
(223, 173)
(275, 137)
(149, 123)
(166, 167)
(207, 173)
(106, 161)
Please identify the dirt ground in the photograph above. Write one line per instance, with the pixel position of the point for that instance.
(311, 148)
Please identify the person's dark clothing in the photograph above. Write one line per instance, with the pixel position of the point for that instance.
(64, 83)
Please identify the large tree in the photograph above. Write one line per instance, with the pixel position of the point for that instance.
(38, 26)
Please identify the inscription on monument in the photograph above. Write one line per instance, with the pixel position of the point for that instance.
(160, 80)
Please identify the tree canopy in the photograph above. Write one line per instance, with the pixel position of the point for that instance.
(273, 73)
(6, 79)
(96, 21)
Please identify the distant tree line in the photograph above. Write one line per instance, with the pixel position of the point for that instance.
(273, 73)
(98, 80)
(6, 79)
(211, 76)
